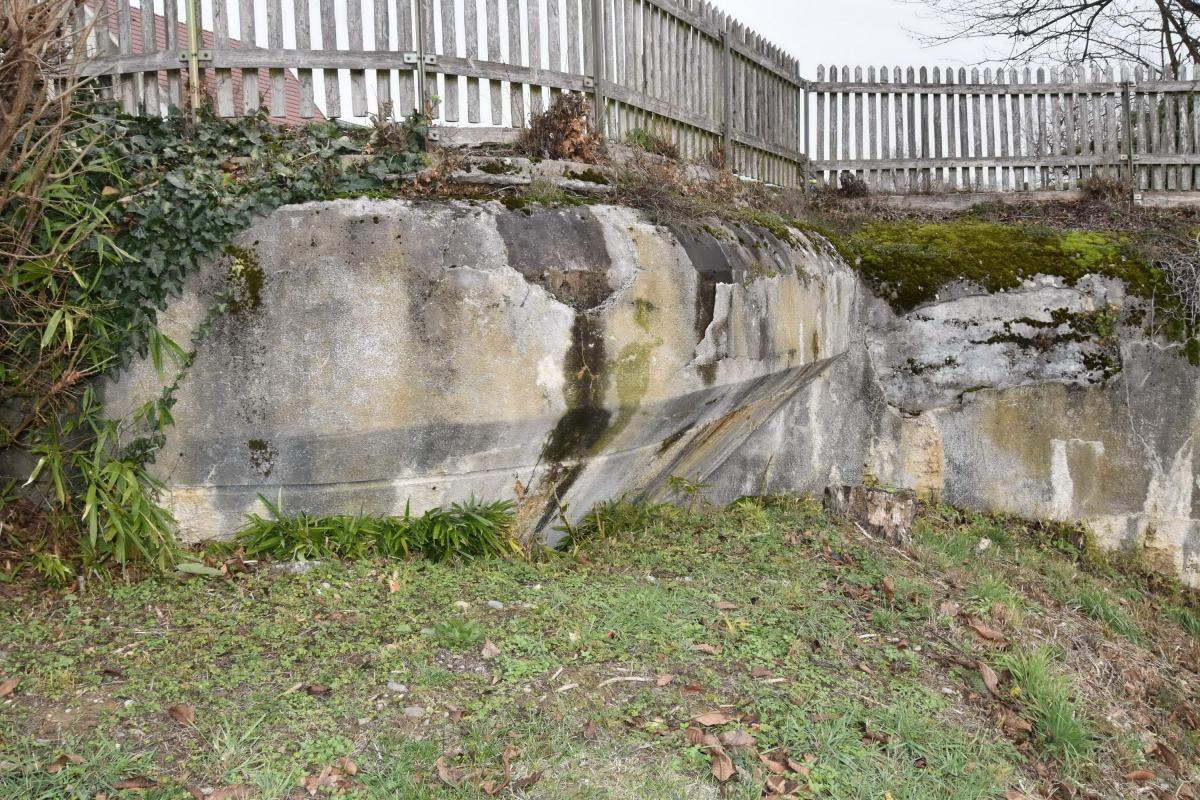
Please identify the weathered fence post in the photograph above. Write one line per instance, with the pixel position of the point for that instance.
(599, 101)
(727, 93)
(193, 55)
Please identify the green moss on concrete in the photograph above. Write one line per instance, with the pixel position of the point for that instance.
(589, 175)
(908, 263)
(245, 280)
(643, 313)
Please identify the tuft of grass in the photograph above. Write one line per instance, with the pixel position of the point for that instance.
(457, 634)
(1046, 695)
(990, 595)
(652, 143)
(474, 529)
(1187, 620)
(1096, 604)
(617, 517)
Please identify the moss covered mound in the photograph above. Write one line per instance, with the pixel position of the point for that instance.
(907, 263)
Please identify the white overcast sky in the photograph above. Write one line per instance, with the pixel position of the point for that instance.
(855, 33)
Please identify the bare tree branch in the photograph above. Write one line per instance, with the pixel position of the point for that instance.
(1153, 33)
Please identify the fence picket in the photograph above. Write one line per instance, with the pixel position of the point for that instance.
(304, 77)
(1002, 105)
(492, 26)
(450, 102)
(329, 78)
(224, 76)
(128, 80)
(174, 76)
(991, 182)
(275, 76)
(247, 39)
(383, 77)
(358, 77)
(149, 45)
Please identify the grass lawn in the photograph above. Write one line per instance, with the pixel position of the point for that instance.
(757, 650)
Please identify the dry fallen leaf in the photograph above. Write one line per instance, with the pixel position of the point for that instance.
(781, 786)
(713, 718)
(237, 792)
(1014, 725)
(1140, 775)
(720, 762)
(591, 732)
(317, 689)
(663, 680)
(949, 608)
(760, 672)
(980, 628)
(184, 715)
(694, 736)
(889, 589)
(706, 648)
(451, 776)
(8, 686)
(736, 739)
(1013, 794)
(773, 765)
(490, 650)
(1169, 758)
(135, 783)
(57, 764)
(347, 766)
(725, 605)
(394, 585)
(990, 679)
(862, 665)
(521, 784)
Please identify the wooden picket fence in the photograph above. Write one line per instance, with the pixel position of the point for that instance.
(677, 68)
(925, 130)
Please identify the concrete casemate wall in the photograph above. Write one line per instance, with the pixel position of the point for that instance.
(384, 354)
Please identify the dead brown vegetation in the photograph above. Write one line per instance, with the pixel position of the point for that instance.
(563, 131)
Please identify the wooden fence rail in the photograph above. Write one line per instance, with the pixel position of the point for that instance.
(931, 131)
(678, 68)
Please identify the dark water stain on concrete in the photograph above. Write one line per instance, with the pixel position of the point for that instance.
(561, 250)
(586, 420)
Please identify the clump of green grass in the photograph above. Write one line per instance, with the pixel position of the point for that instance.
(991, 596)
(1187, 620)
(457, 634)
(1096, 604)
(652, 143)
(617, 517)
(474, 529)
(1046, 695)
